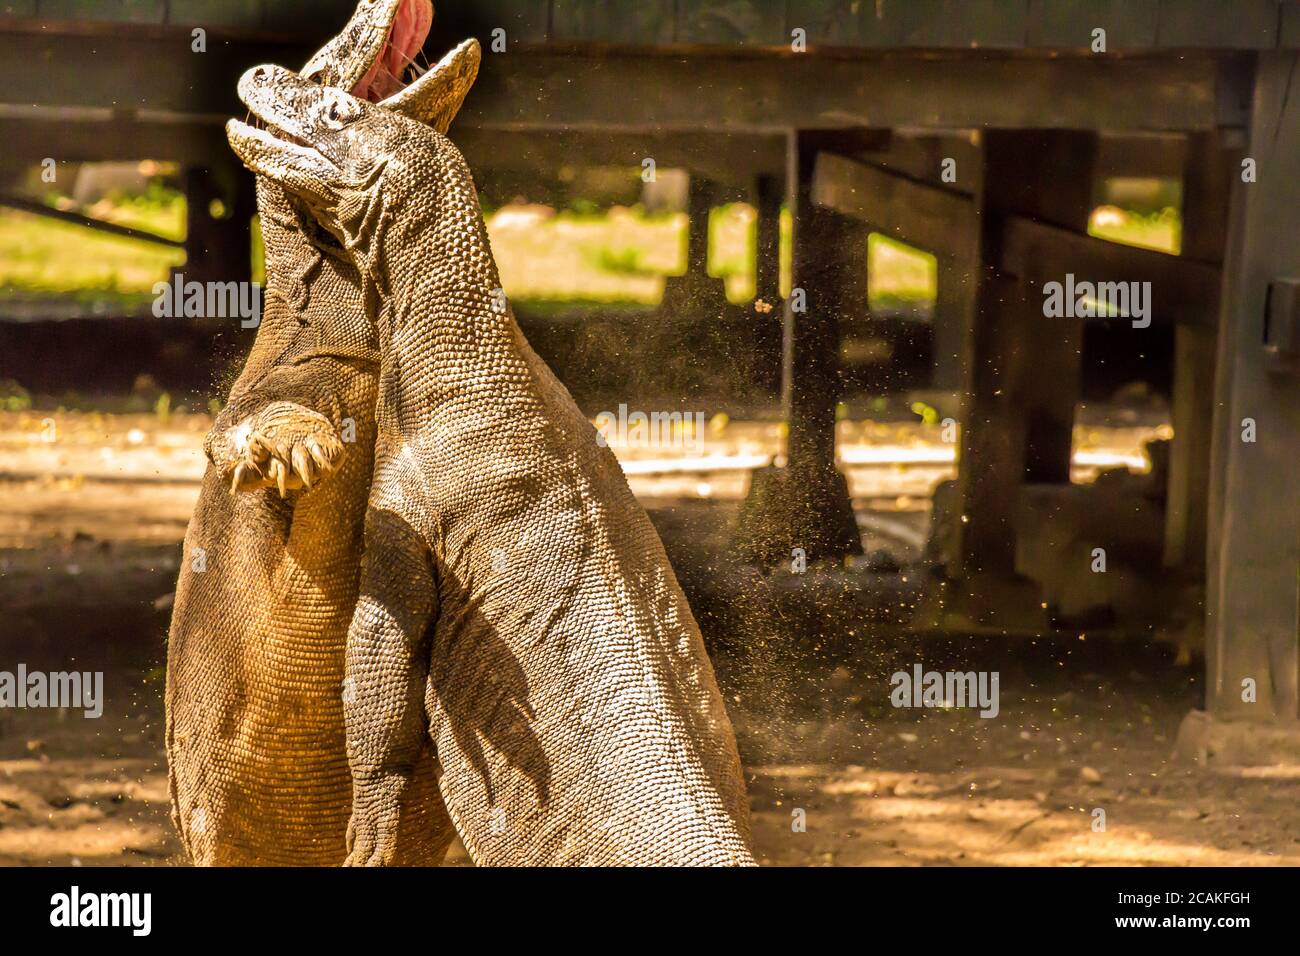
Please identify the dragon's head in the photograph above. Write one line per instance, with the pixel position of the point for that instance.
(374, 59)
(338, 155)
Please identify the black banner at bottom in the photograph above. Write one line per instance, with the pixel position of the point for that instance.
(138, 906)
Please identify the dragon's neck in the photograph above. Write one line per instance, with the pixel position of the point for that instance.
(446, 328)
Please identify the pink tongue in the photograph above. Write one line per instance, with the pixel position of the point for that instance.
(362, 90)
(410, 28)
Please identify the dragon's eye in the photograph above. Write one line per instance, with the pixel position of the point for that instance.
(337, 111)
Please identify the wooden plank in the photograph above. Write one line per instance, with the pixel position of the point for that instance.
(110, 138)
(1255, 529)
(532, 89)
(317, 18)
(647, 23)
(163, 75)
(1289, 32)
(922, 161)
(924, 157)
(919, 214)
(125, 11)
(830, 23)
(246, 15)
(1068, 24)
(695, 296)
(731, 158)
(1160, 156)
(928, 24)
(742, 22)
(1218, 24)
(1182, 290)
(524, 21)
(527, 89)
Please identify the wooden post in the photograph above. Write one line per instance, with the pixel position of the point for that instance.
(954, 315)
(1022, 377)
(1209, 171)
(1254, 549)
(1187, 504)
(959, 272)
(806, 504)
(769, 192)
(1020, 383)
(699, 208)
(696, 294)
(218, 249)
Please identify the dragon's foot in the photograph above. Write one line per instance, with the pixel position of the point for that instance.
(376, 809)
(284, 446)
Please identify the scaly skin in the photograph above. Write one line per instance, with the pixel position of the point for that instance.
(268, 583)
(516, 604)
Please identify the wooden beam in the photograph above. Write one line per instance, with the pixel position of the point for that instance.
(122, 11)
(101, 136)
(927, 212)
(532, 89)
(1227, 24)
(1160, 156)
(1183, 290)
(155, 73)
(1068, 24)
(1131, 25)
(922, 215)
(733, 158)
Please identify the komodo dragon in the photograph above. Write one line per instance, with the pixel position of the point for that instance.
(516, 604)
(268, 583)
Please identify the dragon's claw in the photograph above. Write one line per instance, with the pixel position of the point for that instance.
(284, 446)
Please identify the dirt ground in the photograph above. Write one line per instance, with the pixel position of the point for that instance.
(89, 542)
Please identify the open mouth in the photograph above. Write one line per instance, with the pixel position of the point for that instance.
(396, 65)
(393, 66)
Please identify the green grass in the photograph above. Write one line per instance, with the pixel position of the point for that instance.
(40, 257)
(1162, 231)
(898, 275)
(616, 256)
